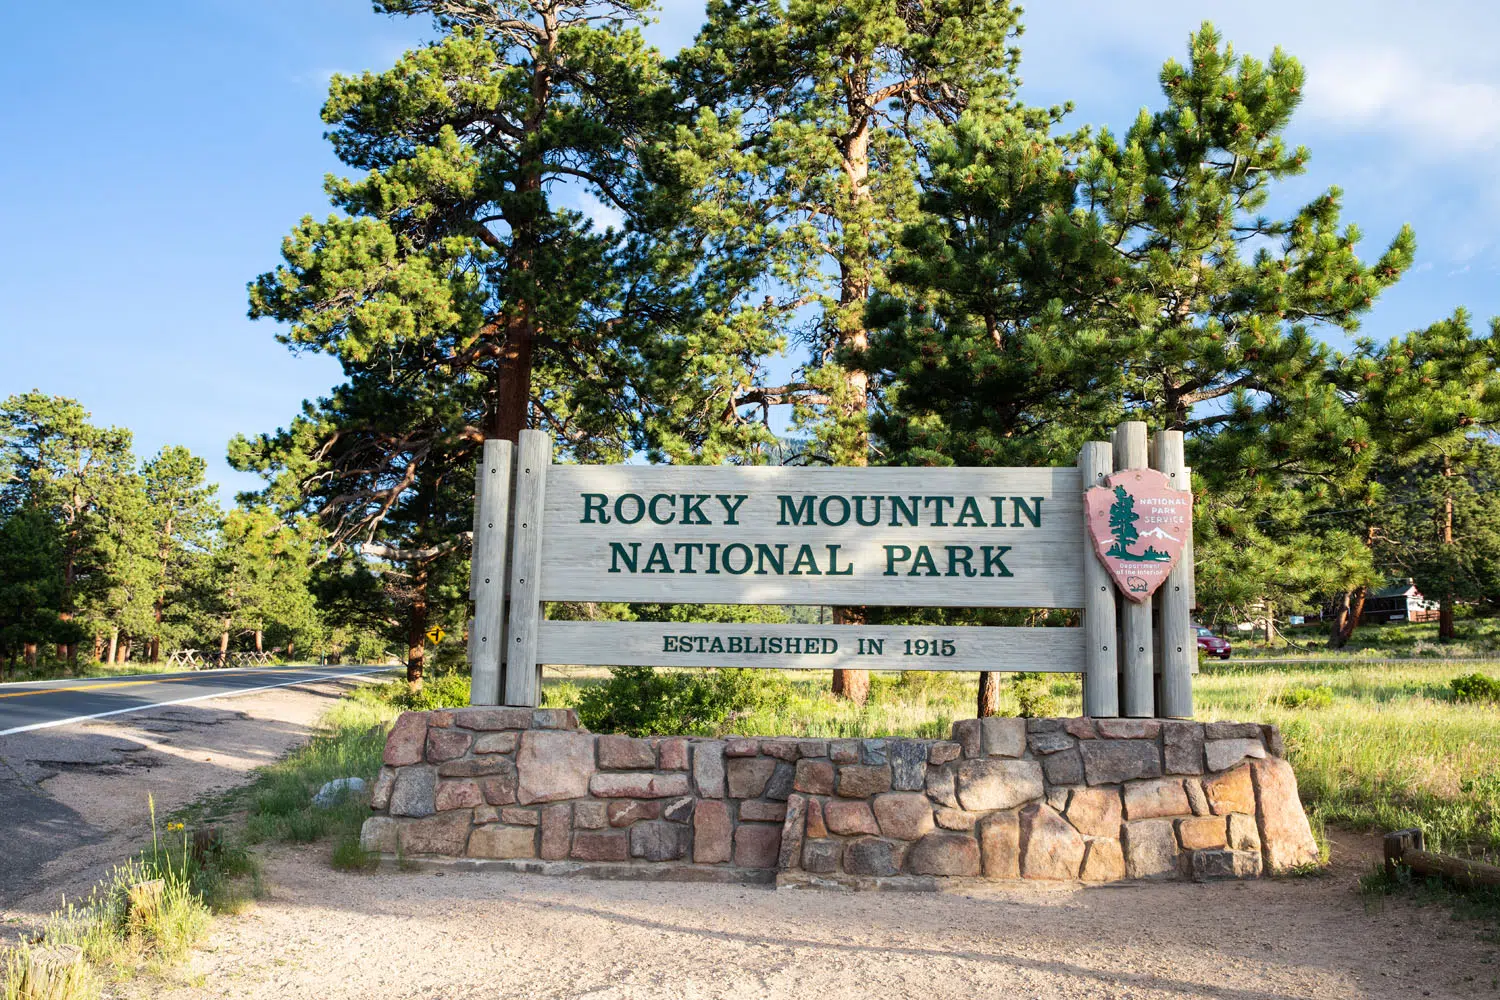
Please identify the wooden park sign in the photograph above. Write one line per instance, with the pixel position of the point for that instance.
(917, 537)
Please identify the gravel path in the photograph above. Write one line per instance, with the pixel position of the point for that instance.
(326, 934)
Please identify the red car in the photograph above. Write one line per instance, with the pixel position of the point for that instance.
(1211, 644)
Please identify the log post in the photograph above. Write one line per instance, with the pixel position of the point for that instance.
(523, 679)
(1179, 647)
(487, 570)
(1137, 681)
(1101, 681)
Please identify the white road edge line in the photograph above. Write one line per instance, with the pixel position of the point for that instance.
(164, 675)
(184, 701)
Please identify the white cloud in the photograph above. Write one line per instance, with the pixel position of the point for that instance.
(1381, 88)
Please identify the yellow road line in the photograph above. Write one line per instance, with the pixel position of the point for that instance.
(96, 687)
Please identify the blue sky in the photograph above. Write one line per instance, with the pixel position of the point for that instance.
(155, 155)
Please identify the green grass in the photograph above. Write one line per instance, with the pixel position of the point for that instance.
(143, 916)
(1474, 637)
(1391, 748)
(278, 803)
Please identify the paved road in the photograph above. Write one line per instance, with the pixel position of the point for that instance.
(41, 704)
(156, 732)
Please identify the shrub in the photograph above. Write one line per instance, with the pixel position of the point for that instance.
(1475, 687)
(641, 701)
(448, 690)
(1033, 696)
(1301, 696)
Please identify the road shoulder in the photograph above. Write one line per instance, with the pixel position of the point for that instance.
(74, 798)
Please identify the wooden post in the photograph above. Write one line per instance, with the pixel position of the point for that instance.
(1136, 666)
(1179, 648)
(1101, 677)
(492, 489)
(523, 680)
(1397, 843)
(1192, 572)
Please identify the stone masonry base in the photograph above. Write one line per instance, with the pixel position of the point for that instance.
(1101, 800)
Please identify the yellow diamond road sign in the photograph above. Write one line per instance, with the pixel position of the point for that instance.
(435, 634)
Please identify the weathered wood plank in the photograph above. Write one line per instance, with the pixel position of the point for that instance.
(522, 674)
(1028, 533)
(680, 644)
(492, 487)
(1136, 666)
(1179, 647)
(1101, 672)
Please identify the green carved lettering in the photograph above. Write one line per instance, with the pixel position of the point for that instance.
(1019, 506)
(960, 554)
(833, 563)
(992, 560)
(742, 548)
(657, 558)
(843, 510)
(672, 514)
(594, 503)
(936, 503)
(892, 558)
(899, 508)
(801, 513)
(692, 507)
(730, 509)
(805, 556)
(618, 555)
(640, 508)
(970, 514)
(923, 560)
(775, 555)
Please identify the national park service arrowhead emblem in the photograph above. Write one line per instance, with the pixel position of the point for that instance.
(1139, 524)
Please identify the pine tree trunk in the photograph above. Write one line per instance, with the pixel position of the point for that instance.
(291, 649)
(851, 443)
(125, 651)
(29, 652)
(224, 646)
(416, 632)
(1356, 612)
(259, 639)
(510, 386)
(69, 651)
(114, 644)
(1446, 632)
(1336, 635)
(156, 639)
(989, 693)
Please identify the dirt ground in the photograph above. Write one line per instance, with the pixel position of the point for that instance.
(327, 934)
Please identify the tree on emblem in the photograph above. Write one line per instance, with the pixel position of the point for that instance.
(1122, 518)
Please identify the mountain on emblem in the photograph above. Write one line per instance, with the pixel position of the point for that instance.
(1138, 522)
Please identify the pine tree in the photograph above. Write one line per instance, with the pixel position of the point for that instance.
(184, 518)
(1203, 321)
(31, 546)
(70, 470)
(836, 104)
(1423, 396)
